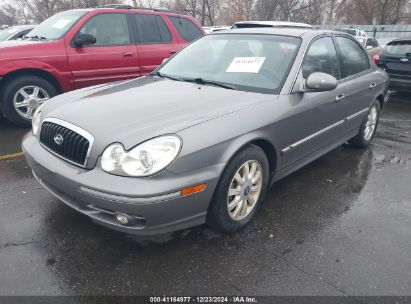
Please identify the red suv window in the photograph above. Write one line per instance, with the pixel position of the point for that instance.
(109, 29)
(186, 28)
(151, 29)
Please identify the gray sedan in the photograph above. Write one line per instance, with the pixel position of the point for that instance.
(15, 32)
(202, 138)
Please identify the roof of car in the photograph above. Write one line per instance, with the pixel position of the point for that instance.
(401, 39)
(295, 32)
(131, 8)
(275, 23)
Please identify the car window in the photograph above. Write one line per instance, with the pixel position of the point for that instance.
(109, 29)
(399, 48)
(322, 57)
(354, 58)
(21, 34)
(372, 42)
(186, 29)
(151, 29)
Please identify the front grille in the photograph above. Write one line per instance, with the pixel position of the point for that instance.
(64, 142)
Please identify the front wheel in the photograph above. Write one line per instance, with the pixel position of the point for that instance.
(368, 127)
(22, 96)
(241, 189)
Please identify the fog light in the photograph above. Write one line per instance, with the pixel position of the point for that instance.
(122, 219)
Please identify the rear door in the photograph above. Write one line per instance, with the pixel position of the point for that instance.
(358, 80)
(155, 41)
(113, 57)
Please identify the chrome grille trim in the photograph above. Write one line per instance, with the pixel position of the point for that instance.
(73, 128)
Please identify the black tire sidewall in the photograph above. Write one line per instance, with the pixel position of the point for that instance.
(217, 215)
(11, 87)
(363, 125)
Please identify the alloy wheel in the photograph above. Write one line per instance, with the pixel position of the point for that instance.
(371, 123)
(28, 99)
(244, 190)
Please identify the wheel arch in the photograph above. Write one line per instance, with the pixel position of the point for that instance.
(380, 99)
(263, 143)
(32, 72)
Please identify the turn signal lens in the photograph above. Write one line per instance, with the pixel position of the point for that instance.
(195, 189)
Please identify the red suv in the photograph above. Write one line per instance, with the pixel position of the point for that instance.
(80, 48)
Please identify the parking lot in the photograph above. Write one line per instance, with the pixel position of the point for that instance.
(340, 226)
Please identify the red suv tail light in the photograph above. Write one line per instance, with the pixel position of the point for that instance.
(376, 58)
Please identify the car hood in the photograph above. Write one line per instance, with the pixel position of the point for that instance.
(133, 111)
(18, 43)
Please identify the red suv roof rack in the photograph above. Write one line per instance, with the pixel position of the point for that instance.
(126, 6)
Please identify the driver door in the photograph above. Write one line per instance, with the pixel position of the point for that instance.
(113, 57)
(317, 117)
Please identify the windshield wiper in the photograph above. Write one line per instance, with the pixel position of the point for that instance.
(36, 37)
(211, 82)
(158, 73)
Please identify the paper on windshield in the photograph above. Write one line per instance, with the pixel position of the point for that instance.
(61, 23)
(246, 65)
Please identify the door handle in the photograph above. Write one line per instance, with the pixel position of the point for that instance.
(340, 98)
(172, 52)
(128, 54)
(373, 85)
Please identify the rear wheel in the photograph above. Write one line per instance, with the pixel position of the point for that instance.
(368, 127)
(22, 96)
(240, 191)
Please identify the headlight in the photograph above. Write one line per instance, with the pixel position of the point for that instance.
(35, 122)
(146, 159)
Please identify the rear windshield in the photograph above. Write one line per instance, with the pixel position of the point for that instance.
(399, 48)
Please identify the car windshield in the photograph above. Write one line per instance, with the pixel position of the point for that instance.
(399, 48)
(56, 26)
(246, 62)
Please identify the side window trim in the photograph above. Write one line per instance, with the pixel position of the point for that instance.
(344, 77)
(130, 33)
(340, 61)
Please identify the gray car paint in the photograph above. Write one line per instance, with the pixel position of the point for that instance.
(214, 123)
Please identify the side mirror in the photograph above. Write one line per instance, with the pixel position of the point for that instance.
(84, 40)
(321, 82)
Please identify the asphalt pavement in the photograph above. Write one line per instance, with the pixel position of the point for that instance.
(339, 226)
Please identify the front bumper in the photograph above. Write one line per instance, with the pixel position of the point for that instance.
(400, 84)
(154, 203)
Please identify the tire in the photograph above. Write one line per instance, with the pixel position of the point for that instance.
(28, 84)
(218, 215)
(363, 138)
